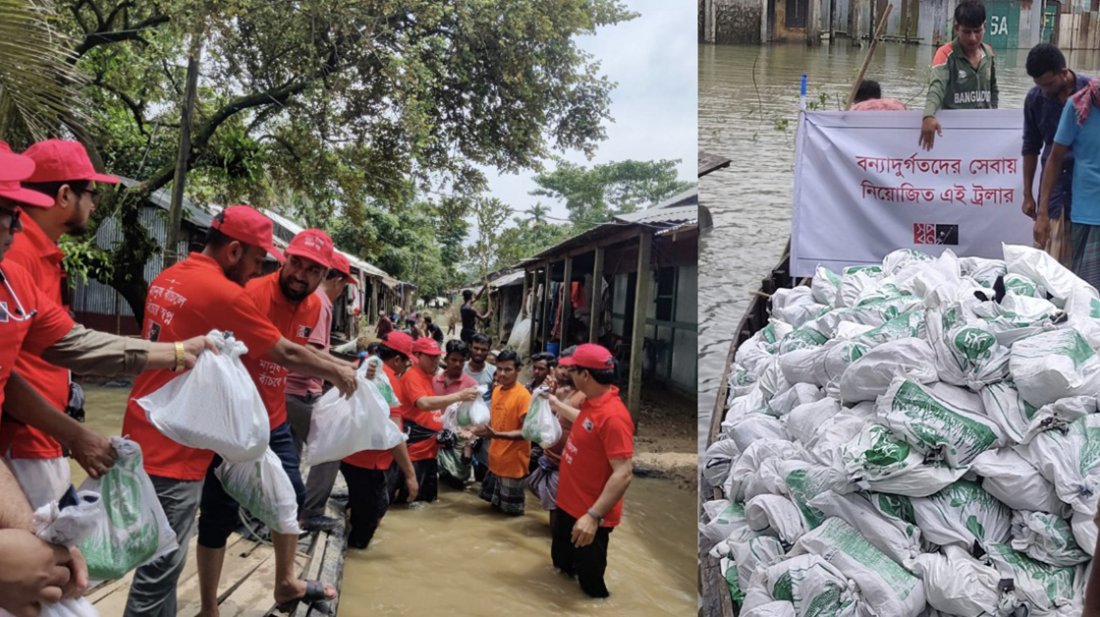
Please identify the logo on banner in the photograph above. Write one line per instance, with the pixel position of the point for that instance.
(932, 233)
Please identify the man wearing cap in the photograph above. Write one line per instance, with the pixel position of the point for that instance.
(596, 469)
(64, 174)
(455, 459)
(367, 473)
(302, 392)
(30, 321)
(287, 298)
(509, 452)
(203, 292)
(423, 418)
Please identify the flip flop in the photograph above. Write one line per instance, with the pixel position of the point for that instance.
(314, 597)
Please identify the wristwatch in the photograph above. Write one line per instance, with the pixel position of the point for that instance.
(181, 358)
(598, 517)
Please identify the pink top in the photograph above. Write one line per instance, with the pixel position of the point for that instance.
(300, 385)
(879, 105)
(443, 386)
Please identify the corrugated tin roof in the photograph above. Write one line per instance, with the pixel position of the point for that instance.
(512, 278)
(711, 162)
(162, 199)
(665, 216)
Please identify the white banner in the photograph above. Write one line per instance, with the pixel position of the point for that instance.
(863, 187)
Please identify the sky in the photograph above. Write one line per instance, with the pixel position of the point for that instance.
(653, 60)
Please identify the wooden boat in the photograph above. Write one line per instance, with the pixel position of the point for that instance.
(248, 574)
(713, 590)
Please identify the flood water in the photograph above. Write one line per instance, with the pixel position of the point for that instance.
(746, 95)
(457, 557)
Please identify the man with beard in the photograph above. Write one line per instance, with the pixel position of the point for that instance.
(287, 298)
(203, 292)
(65, 175)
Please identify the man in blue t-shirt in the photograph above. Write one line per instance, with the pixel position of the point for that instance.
(1054, 84)
(1079, 129)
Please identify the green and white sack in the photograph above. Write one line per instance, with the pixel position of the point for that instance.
(541, 425)
(940, 429)
(263, 488)
(963, 514)
(1047, 538)
(884, 585)
(1004, 405)
(717, 462)
(723, 520)
(1071, 461)
(825, 286)
(132, 529)
(871, 375)
(1038, 266)
(757, 553)
(877, 461)
(968, 355)
(775, 514)
(886, 521)
(812, 585)
(958, 584)
(1054, 365)
(753, 457)
(1044, 587)
(1014, 481)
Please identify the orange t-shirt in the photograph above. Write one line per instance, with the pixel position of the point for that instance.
(295, 320)
(189, 299)
(509, 458)
(381, 459)
(602, 431)
(418, 384)
(41, 258)
(29, 321)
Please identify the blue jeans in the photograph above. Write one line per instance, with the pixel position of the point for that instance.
(218, 512)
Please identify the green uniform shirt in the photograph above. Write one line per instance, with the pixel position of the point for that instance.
(956, 84)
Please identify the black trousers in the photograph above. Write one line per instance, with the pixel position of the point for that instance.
(587, 563)
(368, 501)
(427, 476)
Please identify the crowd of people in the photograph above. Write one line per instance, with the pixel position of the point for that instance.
(284, 318)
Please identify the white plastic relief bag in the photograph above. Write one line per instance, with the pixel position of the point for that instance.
(869, 377)
(68, 527)
(339, 426)
(810, 584)
(476, 412)
(263, 488)
(963, 514)
(1054, 365)
(1047, 538)
(541, 425)
(214, 406)
(133, 529)
(381, 381)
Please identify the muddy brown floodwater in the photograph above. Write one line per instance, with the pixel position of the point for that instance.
(457, 557)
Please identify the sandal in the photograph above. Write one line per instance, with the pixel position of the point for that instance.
(314, 597)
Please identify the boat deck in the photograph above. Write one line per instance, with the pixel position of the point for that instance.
(248, 574)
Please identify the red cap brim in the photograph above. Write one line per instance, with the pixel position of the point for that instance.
(105, 178)
(274, 252)
(567, 361)
(27, 197)
(310, 255)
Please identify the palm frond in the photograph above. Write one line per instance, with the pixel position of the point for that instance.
(40, 88)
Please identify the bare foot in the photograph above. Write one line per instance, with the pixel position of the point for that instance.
(288, 591)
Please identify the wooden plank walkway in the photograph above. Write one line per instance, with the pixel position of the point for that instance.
(248, 575)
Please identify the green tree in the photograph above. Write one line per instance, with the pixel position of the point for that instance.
(491, 214)
(530, 234)
(595, 195)
(333, 105)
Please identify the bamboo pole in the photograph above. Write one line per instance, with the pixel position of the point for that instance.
(870, 53)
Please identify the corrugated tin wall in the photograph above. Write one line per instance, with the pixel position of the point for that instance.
(97, 298)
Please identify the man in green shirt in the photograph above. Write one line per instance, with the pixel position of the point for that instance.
(963, 72)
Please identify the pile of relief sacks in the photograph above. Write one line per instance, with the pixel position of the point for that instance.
(916, 438)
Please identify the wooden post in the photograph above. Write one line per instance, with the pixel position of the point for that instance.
(597, 296)
(526, 353)
(566, 304)
(637, 338)
(175, 209)
(870, 53)
(546, 317)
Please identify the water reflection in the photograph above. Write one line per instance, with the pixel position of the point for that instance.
(746, 95)
(458, 557)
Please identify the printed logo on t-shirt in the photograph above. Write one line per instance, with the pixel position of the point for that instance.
(962, 75)
(303, 331)
(588, 426)
(154, 332)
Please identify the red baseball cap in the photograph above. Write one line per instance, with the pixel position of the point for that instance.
(567, 361)
(13, 168)
(593, 357)
(58, 160)
(343, 266)
(314, 245)
(427, 345)
(400, 342)
(246, 224)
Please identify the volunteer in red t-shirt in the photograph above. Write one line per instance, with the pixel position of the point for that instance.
(65, 175)
(596, 468)
(302, 393)
(32, 322)
(286, 297)
(201, 293)
(422, 413)
(368, 473)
